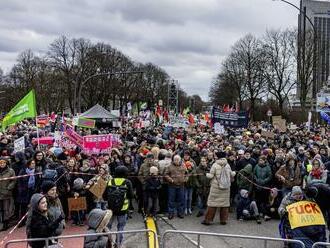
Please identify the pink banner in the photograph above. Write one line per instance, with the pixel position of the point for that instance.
(73, 136)
(45, 140)
(97, 143)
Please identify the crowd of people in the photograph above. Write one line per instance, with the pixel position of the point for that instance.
(195, 170)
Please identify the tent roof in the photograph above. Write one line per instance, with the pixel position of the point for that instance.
(98, 112)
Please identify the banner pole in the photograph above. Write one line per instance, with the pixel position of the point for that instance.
(37, 133)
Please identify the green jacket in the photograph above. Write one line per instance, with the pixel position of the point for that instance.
(262, 174)
(243, 175)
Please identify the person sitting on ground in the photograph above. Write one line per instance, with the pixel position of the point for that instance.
(246, 208)
(98, 220)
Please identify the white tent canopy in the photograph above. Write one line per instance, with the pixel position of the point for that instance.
(98, 112)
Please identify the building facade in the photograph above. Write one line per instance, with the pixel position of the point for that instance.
(319, 14)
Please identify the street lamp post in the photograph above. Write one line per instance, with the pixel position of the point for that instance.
(98, 75)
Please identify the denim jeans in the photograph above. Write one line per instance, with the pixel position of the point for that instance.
(101, 205)
(188, 197)
(121, 223)
(201, 203)
(176, 199)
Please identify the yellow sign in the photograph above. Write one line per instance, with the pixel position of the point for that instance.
(305, 213)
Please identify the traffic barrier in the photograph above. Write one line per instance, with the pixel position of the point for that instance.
(223, 235)
(79, 236)
(321, 245)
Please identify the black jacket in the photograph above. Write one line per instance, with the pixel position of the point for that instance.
(42, 227)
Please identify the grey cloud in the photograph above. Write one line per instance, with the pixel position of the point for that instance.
(188, 38)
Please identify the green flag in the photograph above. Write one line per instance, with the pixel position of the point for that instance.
(25, 108)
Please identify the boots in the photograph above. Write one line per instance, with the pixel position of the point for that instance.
(224, 213)
(209, 216)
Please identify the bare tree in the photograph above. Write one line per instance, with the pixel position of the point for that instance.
(280, 63)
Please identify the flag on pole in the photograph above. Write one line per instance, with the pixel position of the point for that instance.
(25, 108)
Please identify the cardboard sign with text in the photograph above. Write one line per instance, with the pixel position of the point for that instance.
(77, 204)
(279, 123)
(98, 188)
(267, 134)
(305, 213)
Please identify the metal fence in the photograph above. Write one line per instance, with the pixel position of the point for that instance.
(321, 245)
(11, 243)
(198, 244)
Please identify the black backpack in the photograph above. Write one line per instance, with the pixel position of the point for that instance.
(116, 196)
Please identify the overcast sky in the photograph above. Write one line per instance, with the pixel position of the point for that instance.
(188, 38)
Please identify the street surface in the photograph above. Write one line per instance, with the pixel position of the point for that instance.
(189, 223)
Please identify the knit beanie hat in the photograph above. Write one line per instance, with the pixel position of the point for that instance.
(244, 193)
(78, 183)
(46, 186)
(153, 170)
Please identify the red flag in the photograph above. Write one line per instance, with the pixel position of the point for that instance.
(191, 119)
(166, 117)
(226, 108)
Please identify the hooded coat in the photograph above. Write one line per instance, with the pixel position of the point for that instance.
(219, 196)
(97, 223)
(40, 226)
(245, 177)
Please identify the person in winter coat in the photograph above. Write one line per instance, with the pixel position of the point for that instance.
(203, 186)
(27, 186)
(78, 190)
(104, 174)
(41, 162)
(98, 220)
(245, 161)
(262, 177)
(55, 209)
(7, 207)
(245, 178)
(289, 175)
(165, 160)
(221, 176)
(191, 183)
(175, 176)
(145, 167)
(318, 174)
(307, 234)
(120, 180)
(151, 197)
(41, 225)
(273, 203)
(246, 208)
(20, 162)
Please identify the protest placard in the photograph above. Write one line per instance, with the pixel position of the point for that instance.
(267, 134)
(19, 144)
(98, 188)
(304, 213)
(77, 204)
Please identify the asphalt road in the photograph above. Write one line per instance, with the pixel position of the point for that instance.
(189, 223)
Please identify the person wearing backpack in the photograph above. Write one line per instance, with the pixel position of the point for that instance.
(219, 196)
(118, 193)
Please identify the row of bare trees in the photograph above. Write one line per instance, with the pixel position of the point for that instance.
(75, 74)
(264, 68)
